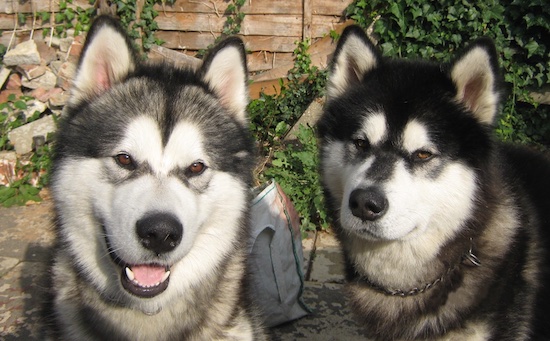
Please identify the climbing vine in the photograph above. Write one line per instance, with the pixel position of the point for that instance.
(234, 18)
(139, 20)
(232, 25)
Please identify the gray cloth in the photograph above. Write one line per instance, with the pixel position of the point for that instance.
(276, 257)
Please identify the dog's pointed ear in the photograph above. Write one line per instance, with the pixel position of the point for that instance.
(355, 55)
(475, 75)
(107, 58)
(225, 72)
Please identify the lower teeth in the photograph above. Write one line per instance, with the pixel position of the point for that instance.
(131, 277)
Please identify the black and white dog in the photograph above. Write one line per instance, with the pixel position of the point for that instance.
(445, 231)
(151, 181)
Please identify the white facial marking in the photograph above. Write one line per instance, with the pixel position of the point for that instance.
(184, 146)
(144, 143)
(375, 128)
(159, 191)
(415, 136)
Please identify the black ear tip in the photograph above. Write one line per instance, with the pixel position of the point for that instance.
(485, 41)
(353, 29)
(105, 20)
(357, 32)
(486, 44)
(231, 41)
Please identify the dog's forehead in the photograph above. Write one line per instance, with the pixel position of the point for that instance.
(144, 141)
(411, 136)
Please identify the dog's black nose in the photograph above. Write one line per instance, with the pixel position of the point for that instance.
(159, 232)
(368, 203)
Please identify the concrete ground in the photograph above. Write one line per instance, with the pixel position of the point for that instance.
(26, 236)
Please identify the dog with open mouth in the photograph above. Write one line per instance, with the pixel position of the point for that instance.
(151, 176)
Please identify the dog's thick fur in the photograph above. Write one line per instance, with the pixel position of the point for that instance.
(151, 178)
(444, 230)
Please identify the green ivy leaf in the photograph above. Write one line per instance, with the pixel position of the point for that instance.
(532, 47)
(20, 105)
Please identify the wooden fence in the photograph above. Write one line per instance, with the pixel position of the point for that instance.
(270, 28)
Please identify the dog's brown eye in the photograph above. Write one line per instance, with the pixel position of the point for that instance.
(197, 167)
(124, 160)
(422, 155)
(360, 144)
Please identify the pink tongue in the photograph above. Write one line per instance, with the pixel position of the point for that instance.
(148, 274)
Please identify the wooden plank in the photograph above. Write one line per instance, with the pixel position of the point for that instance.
(186, 40)
(282, 25)
(276, 73)
(322, 25)
(201, 40)
(542, 95)
(272, 7)
(219, 6)
(320, 52)
(183, 58)
(269, 87)
(330, 7)
(197, 22)
(159, 53)
(307, 19)
(259, 61)
(260, 25)
(320, 7)
(268, 25)
(30, 6)
(270, 43)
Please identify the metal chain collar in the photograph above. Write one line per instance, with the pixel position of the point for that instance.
(468, 258)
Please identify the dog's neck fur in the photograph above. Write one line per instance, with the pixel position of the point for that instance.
(467, 259)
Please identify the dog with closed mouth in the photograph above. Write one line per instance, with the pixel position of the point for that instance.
(444, 230)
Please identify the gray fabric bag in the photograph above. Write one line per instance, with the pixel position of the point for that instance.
(276, 257)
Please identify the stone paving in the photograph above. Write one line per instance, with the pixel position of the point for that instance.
(26, 236)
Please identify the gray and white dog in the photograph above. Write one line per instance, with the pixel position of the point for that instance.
(151, 178)
(445, 231)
